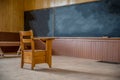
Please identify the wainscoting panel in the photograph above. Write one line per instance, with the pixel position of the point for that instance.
(99, 49)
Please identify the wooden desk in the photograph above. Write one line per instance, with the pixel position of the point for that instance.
(48, 41)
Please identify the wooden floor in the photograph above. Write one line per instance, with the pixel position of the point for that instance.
(63, 68)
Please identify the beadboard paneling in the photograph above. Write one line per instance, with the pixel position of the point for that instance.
(104, 50)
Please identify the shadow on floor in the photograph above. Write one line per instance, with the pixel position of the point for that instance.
(10, 56)
(69, 72)
(109, 62)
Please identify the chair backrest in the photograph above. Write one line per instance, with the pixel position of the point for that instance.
(26, 37)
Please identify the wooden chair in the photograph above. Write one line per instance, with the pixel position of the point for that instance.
(31, 56)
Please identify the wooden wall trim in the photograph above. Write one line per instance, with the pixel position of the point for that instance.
(42, 4)
(90, 38)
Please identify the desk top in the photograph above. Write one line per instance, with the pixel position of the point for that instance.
(44, 38)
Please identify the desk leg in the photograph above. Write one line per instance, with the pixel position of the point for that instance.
(19, 52)
(1, 52)
(49, 52)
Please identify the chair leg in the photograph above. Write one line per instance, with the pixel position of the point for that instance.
(22, 62)
(19, 51)
(2, 55)
(1, 52)
(49, 65)
(32, 66)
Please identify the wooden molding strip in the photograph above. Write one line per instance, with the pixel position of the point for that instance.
(42, 4)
